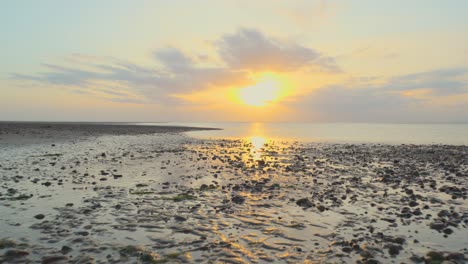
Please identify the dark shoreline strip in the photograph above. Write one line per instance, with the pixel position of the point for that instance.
(92, 128)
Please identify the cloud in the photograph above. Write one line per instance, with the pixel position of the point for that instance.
(176, 72)
(173, 59)
(340, 104)
(155, 85)
(251, 50)
(439, 82)
(388, 101)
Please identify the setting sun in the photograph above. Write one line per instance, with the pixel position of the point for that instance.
(259, 94)
(267, 90)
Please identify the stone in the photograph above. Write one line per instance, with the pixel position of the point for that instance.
(394, 250)
(54, 259)
(39, 216)
(238, 199)
(304, 202)
(180, 218)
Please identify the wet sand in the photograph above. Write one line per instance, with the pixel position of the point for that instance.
(136, 195)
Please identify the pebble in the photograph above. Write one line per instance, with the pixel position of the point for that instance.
(304, 202)
(39, 216)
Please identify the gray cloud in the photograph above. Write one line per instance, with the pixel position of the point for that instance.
(362, 102)
(173, 59)
(439, 82)
(177, 76)
(339, 103)
(249, 49)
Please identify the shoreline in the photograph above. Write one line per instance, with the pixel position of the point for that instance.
(25, 133)
(98, 128)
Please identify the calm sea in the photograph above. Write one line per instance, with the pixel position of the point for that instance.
(453, 134)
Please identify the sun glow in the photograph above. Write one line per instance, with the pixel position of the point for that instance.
(268, 89)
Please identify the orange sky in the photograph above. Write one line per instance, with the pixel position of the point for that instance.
(350, 61)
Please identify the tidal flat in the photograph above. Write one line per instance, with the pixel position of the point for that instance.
(75, 195)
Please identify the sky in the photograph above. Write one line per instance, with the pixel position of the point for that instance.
(387, 61)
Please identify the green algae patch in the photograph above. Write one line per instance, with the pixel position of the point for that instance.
(142, 192)
(180, 197)
(21, 197)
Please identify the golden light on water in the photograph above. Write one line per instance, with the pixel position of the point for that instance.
(257, 144)
(257, 140)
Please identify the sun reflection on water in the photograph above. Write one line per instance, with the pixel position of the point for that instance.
(257, 140)
(257, 144)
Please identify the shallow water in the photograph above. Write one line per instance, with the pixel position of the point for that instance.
(451, 134)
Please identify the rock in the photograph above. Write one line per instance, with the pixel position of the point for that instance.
(347, 249)
(39, 216)
(238, 199)
(458, 257)
(448, 231)
(417, 259)
(417, 211)
(66, 249)
(444, 213)
(54, 259)
(435, 200)
(437, 226)
(413, 203)
(394, 250)
(304, 202)
(366, 254)
(14, 253)
(82, 233)
(321, 208)
(180, 218)
(370, 261)
(434, 257)
(398, 240)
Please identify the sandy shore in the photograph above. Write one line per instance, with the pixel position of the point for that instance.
(121, 194)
